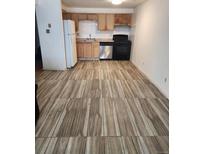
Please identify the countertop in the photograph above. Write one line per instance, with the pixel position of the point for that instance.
(93, 40)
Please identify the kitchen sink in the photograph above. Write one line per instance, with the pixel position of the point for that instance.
(90, 39)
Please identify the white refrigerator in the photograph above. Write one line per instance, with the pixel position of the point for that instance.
(70, 43)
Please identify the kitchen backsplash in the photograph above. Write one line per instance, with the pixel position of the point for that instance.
(90, 27)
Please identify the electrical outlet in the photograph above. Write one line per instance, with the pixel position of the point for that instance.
(47, 31)
(49, 25)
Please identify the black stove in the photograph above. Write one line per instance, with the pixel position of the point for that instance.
(121, 47)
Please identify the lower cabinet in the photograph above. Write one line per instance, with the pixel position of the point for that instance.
(88, 50)
(95, 49)
(80, 50)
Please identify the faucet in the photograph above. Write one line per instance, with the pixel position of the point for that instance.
(90, 36)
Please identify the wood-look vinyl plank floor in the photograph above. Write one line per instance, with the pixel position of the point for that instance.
(101, 107)
(103, 145)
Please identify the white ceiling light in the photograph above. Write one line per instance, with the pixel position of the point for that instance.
(117, 2)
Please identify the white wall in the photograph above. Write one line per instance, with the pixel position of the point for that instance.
(90, 27)
(52, 44)
(150, 35)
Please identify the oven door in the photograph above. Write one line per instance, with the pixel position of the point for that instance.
(121, 50)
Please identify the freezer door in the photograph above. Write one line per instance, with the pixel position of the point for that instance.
(72, 27)
(74, 51)
(69, 27)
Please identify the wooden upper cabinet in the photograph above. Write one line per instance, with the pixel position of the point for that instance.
(66, 16)
(87, 50)
(80, 50)
(129, 19)
(102, 22)
(106, 22)
(110, 21)
(95, 49)
(64, 11)
(92, 17)
(74, 17)
(82, 17)
(123, 19)
(118, 19)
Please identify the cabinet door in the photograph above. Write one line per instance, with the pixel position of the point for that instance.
(129, 19)
(66, 16)
(80, 50)
(117, 19)
(82, 16)
(95, 49)
(101, 21)
(74, 17)
(87, 50)
(109, 21)
(92, 17)
(122, 19)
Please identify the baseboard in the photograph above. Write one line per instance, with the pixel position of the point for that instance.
(150, 80)
(88, 59)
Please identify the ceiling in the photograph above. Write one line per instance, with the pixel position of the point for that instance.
(101, 3)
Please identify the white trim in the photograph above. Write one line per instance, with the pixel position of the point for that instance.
(153, 82)
(97, 10)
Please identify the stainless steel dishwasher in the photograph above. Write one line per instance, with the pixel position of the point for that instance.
(106, 50)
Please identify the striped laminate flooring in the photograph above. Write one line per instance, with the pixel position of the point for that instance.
(104, 107)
